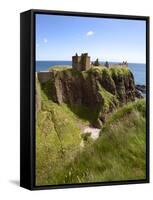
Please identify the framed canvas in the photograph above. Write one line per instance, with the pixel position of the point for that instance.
(84, 99)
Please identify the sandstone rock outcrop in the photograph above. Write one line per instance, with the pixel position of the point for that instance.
(99, 88)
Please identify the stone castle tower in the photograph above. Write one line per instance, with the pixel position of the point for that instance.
(82, 62)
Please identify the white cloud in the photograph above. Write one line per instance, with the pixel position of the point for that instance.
(89, 33)
(45, 40)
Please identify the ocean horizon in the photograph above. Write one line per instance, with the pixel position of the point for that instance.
(138, 69)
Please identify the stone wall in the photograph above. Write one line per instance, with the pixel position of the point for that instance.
(43, 76)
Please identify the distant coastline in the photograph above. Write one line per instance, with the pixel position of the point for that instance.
(91, 60)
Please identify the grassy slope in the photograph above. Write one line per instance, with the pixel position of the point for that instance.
(57, 139)
(119, 154)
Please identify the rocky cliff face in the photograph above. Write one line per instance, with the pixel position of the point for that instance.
(99, 88)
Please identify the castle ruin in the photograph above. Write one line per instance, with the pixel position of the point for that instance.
(81, 63)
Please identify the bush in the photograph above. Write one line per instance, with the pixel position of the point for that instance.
(96, 63)
(106, 64)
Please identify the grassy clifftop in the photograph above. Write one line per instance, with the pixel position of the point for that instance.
(71, 100)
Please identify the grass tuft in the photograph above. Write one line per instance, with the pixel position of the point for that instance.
(119, 154)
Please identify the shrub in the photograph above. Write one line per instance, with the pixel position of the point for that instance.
(96, 63)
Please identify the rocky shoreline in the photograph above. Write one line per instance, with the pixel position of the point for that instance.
(140, 91)
(141, 88)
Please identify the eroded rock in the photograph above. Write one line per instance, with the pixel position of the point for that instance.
(100, 88)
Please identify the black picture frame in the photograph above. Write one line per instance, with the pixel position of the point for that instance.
(27, 98)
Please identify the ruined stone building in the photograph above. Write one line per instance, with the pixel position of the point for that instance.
(82, 62)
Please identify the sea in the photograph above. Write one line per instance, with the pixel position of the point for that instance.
(138, 69)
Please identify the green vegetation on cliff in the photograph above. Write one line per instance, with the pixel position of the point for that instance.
(57, 139)
(71, 100)
(118, 154)
(100, 89)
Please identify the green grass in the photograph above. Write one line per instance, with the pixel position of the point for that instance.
(109, 99)
(58, 137)
(119, 154)
(124, 111)
(119, 70)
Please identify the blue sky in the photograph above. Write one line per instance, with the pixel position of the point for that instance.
(60, 37)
